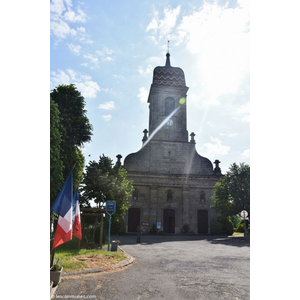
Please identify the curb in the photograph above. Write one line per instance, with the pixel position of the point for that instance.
(123, 264)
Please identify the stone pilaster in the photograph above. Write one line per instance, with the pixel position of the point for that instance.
(186, 206)
(153, 205)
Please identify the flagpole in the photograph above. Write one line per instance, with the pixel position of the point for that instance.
(53, 249)
(74, 165)
(52, 257)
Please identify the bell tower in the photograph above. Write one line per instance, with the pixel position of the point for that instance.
(167, 104)
(173, 183)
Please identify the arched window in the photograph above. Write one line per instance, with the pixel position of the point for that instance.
(202, 196)
(169, 105)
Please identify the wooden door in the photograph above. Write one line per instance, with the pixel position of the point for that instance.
(203, 221)
(169, 220)
(133, 219)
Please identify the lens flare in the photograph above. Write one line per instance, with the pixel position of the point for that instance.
(161, 125)
(182, 100)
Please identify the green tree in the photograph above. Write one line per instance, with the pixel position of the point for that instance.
(71, 104)
(232, 192)
(75, 126)
(102, 181)
(56, 164)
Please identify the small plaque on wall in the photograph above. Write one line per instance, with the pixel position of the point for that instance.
(145, 224)
(158, 225)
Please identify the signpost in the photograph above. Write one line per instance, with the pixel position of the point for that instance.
(244, 215)
(110, 209)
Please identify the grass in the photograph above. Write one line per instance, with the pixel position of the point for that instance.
(70, 255)
(238, 233)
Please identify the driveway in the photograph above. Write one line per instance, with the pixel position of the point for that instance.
(171, 267)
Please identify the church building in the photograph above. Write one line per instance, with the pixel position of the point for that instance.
(173, 183)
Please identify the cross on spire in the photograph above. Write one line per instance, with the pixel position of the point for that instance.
(168, 63)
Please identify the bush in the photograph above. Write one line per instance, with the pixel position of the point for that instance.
(227, 225)
(236, 220)
(97, 236)
(215, 227)
(118, 227)
(241, 228)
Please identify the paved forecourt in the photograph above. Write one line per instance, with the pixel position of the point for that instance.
(171, 267)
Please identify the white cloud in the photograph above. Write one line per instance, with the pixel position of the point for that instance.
(81, 29)
(163, 27)
(154, 60)
(148, 70)
(228, 134)
(61, 29)
(106, 117)
(92, 58)
(216, 148)
(61, 14)
(246, 153)
(153, 25)
(57, 7)
(219, 38)
(153, 39)
(105, 54)
(108, 51)
(88, 88)
(59, 77)
(75, 48)
(73, 17)
(143, 95)
(107, 105)
(118, 76)
(85, 85)
(244, 110)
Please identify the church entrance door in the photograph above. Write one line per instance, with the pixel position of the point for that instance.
(169, 220)
(133, 219)
(202, 221)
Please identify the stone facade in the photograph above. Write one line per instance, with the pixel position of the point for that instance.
(173, 183)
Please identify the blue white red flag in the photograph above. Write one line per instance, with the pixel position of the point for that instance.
(76, 216)
(63, 207)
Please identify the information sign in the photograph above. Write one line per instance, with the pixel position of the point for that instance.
(110, 206)
(110, 209)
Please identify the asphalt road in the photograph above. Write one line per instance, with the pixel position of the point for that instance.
(170, 267)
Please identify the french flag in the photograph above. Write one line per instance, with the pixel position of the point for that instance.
(63, 207)
(76, 216)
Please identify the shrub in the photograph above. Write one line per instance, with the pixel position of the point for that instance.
(118, 227)
(215, 227)
(236, 220)
(241, 228)
(227, 225)
(97, 236)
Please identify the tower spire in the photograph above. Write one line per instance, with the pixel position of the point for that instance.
(168, 63)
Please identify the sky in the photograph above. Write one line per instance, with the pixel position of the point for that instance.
(109, 49)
